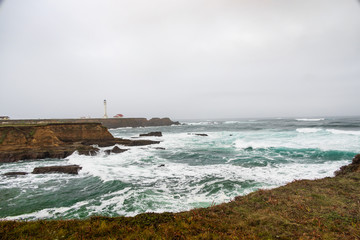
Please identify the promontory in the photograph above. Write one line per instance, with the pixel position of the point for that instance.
(57, 140)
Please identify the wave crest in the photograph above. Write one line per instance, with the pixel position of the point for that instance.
(308, 130)
(310, 119)
(337, 131)
(201, 123)
(241, 144)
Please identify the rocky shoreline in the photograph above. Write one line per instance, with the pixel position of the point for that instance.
(325, 208)
(57, 140)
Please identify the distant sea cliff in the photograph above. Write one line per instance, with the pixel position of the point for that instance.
(106, 122)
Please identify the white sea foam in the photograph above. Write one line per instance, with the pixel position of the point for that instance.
(318, 139)
(178, 177)
(308, 130)
(175, 179)
(346, 132)
(310, 119)
(172, 174)
(201, 123)
(243, 144)
(231, 122)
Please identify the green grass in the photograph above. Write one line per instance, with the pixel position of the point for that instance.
(320, 209)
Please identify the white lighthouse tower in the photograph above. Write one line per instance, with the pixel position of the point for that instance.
(105, 110)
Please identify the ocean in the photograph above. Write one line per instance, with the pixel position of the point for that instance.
(185, 170)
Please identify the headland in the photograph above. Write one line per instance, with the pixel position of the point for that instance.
(106, 122)
(29, 141)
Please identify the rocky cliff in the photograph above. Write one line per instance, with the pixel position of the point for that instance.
(56, 140)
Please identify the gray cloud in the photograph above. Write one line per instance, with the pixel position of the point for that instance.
(183, 59)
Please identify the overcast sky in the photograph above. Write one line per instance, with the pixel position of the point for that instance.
(179, 59)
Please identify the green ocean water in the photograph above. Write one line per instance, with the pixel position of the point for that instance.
(236, 158)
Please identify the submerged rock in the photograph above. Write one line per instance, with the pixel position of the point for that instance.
(128, 142)
(69, 169)
(121, 141)
(151, 134)
(15, 173)
(160, 148)
(201, 134)
(115, 149)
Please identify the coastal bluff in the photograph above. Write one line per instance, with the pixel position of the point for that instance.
(106, 122)
(56, 140)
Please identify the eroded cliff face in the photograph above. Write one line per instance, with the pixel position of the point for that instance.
(80, 131)
(51, 134)
(56, 140)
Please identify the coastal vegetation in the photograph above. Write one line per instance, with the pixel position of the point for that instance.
(326, 208)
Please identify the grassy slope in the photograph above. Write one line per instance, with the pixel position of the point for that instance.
(321, 209)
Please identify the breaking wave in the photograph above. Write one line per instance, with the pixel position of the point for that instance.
(308, 130)
(310, 119)
(346, 132)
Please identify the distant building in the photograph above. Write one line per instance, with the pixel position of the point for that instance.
(118, 116)
(4, 118)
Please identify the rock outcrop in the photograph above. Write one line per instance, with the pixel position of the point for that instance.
(115, 149)
(15, 173)
(353, 167)
(69, 169)
(201, 134)
(151, 134)
(56, 140)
